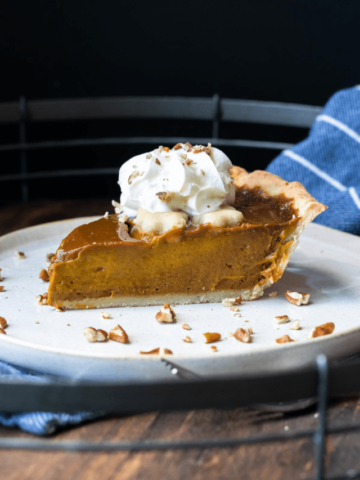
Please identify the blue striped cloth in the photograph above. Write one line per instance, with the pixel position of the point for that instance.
(38, 423)
(327, 163)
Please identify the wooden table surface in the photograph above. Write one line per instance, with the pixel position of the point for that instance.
(290, 460)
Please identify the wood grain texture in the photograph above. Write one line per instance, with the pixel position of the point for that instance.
(279, 461)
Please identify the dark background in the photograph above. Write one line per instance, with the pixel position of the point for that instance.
(288, 51)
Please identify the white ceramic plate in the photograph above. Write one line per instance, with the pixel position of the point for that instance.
(326, 264)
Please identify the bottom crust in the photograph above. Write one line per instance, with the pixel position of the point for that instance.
(173, 299)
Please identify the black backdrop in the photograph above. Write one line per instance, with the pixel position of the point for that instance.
(292, 51)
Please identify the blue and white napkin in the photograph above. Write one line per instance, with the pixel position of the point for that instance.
(327, 163)
(38, 423)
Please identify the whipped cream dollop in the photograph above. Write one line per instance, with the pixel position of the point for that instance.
(194, 180)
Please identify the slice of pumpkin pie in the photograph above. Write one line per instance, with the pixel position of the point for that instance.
(190, 228)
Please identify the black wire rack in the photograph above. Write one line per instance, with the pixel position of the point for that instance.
(184, 390)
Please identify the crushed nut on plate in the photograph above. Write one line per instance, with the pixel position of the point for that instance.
(234, 309)
(166, 314)
(90, 334)
(2, 331)
(282, 319)
(101, 335)
(154, 351)
(3, 323)
(106, 315)
(273, 294)
(2, 288)
(187, 340)
(284, 339)
(118, 334)
(158, 351)
(213, 348)
(19, 254)
(42, 299)
(185, 326)
(297, 298)
(249, 330)
(211, 337)
(321, 330)
(43, 275)
(242, 335)
(49, 256)
(230, 302)
(295, 325)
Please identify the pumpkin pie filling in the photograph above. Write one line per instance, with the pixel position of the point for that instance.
(112, 263)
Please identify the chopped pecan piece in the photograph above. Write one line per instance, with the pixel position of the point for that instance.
(242, 335)
(154, 351)
(3, 323)
(43, 275)
(101, 335)
(132, 177)
(284, 339)
(49, 256)
(213, 348)
(297, 298)
(273, 294)
(166, 351)
(90, 334)
(234, 309)
(166, 314)
(321, 330)
(41, 299)
(60, 309)
(185, 326)
(167, 149)
(165, 196)
(282, 319)
(106, 315)
(177, 146)
(19, 255)
(118, 334)
(211, 337)
(295, 325)
(157, 161)
(230, 302)
(2, 288)
(2, 331)
(117, 206)
(187, 340)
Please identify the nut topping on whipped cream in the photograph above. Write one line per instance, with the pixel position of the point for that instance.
(188, 189)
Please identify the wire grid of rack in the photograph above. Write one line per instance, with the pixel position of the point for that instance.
(184, 390)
